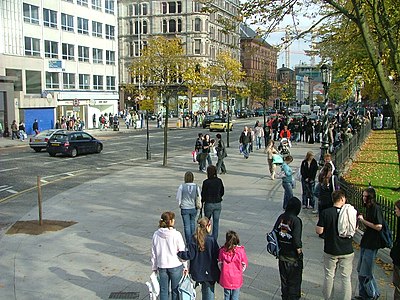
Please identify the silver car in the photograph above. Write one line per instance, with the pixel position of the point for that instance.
(39, 141)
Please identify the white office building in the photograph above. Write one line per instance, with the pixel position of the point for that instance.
(58, 58)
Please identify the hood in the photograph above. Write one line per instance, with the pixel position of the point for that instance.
(228, 256)
(293, 206)
(164, 232)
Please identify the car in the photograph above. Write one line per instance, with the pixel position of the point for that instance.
(39, 141)
(221, 124)
(73, 143)
(207, 120)
(245, 113)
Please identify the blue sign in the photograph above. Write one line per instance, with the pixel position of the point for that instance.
(55, 64)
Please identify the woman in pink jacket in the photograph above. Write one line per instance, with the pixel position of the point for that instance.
(232, 261)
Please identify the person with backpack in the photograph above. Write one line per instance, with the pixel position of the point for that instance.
(327, 184)
(370, 244)
(395, 254)
(338, 251)
(203, 252)
(289, 228)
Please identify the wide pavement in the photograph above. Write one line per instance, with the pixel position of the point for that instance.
(108, 249)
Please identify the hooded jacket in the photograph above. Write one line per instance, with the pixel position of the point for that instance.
(232, 264)
(165, 245)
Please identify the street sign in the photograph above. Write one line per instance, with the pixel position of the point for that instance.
(76, 102)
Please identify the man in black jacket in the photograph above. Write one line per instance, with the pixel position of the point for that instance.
(245, 141)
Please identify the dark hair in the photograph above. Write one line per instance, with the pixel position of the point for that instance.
(200, 135)
(201, 233)
(323, 175)
(218, 136)
(288, 159)
(371, 196)
(166, 219)
(337, 195)
(232, 240)
(211, 171)
(293, 206)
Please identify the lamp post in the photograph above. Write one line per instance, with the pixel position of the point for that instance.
(148, 151)
(326, 75)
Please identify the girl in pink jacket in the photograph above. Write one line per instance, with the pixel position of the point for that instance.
(232, 261)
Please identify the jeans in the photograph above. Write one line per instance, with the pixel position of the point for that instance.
(202, 164)
(291, 274)
(172, 275)
(308, 192)
(207, 290)
(365, 268)
(221, 165)
(288, 194)
(246, 150)
(344, 266)
(14, 134)
(189, 222)
(209, 161)
(231, 294)
(213, 211)
(258, 142)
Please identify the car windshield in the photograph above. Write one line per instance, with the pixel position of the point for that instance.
(59, 137)
(219, 121)
(45, 133)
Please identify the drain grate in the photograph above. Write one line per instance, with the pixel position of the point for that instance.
(124, 295)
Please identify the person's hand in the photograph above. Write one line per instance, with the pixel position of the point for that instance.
(185, 271)
(360, 217)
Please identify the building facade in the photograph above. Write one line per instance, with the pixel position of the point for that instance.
(58, 58)
(308, 82)
(202, 34)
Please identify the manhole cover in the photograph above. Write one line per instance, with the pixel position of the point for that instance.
(124, 295)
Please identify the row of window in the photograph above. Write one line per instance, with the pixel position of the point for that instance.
(69, 81)
(109, 5)
(51, 50)
(50, 19)
(167, 7)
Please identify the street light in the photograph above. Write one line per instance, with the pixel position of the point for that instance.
(326, 75)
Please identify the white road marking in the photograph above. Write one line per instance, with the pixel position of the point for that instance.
(5, 188)
(12, 191)
(17, 158)
(5, 170)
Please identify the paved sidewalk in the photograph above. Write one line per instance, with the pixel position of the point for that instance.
(108, 250)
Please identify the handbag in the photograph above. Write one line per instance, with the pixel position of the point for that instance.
(186, 288)
(194, 155)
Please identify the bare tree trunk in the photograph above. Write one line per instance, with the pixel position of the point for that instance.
(165, 155)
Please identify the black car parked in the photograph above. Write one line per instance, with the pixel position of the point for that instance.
(73, 143)
(207, 120)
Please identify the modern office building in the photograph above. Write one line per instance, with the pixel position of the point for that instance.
(202, 34)
(57, 58)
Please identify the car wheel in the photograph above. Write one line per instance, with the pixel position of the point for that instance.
(52, 154)
(74, 152)
(37, 149)
(99, 148)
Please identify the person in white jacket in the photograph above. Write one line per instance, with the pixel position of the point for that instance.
(166, 243)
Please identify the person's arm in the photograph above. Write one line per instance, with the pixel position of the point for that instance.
(179, 195)
(377, 227)
(222, 190)
(319, 229)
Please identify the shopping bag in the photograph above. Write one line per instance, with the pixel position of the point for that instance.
(186, 288)
(154, 286)
(194, 153)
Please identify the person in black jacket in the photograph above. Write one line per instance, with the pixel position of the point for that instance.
(245, 141)
(395, 254)
(211, 195)
(290, 227)
(203, 252)
(308, 170)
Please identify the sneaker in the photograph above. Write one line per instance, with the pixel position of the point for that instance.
(304, 206)
(310, 207)
(314, 212)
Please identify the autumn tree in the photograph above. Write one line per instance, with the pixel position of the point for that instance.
(227, 71)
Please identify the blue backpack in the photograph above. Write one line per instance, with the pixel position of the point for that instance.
(273, 243)
(386, 236)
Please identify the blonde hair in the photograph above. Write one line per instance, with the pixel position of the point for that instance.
(189, 177)
(309, 155)
(201, 233)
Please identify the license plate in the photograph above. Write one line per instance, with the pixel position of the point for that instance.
(55, 144)
(37, 140)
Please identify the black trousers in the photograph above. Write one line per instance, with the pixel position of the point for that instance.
(291, 276)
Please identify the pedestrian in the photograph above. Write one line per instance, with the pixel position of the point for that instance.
(232, 260)
(395, 254)
(245, 141)
(94, 121)
(189, 201)
(327, 184)
(369, 246)
(14, 130)
(207, 146)
(259, 135)
(252, 139)
(198, 148)
(221, 154)
(22, 132)
(271, 150)
(203, 255)
(211, 195)
(338, 251)
(308, 170)
(287, 180)
(166, 243)
(35, 127)
(289, 229)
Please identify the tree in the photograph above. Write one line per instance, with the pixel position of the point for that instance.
(160, 68)
(377, 22)
(227, 71)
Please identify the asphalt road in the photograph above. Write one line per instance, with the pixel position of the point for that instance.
(21, 166)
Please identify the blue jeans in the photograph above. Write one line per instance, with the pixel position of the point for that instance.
(258, 142)
(207, 290)
(209, 160)
(189, 222)
(246, 150)
(172, 275)
(213, 211)
(288, 194)
(365, 269)
(231, 294)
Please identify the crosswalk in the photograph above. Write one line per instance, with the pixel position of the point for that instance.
(7, 188)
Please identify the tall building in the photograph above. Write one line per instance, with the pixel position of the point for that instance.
(308, 79)
(57, 58)
(203, 36)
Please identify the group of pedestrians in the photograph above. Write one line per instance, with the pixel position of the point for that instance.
(200, 256)
(205, 147)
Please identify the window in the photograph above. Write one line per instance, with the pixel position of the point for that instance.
(32, 46)
(82, 2)
(97, 82)
(144, 9)
(83, 53)
(179, 25)
(164, 26)
(83, 26)
(97, 56)
(67, 22)
(109, 6)
(50, 49)
(97, 29)
(164, 7)
(197, 6)
(110, 57)
(110, 83)
(68, 80)
(68, 51)
(84, 81)
(33, 82)
(144, 27)
(18, 74)
(49, 18)
(171, 7)
(96, 4)
(172, 25)
(197, 24)
(52, 81)
(197, 46)
(110, 32)
(31, 13)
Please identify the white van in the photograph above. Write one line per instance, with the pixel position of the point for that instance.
(305, 109)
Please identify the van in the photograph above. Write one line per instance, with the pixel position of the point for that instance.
(305, 109)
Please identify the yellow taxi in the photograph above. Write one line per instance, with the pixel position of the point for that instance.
(221, 124)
